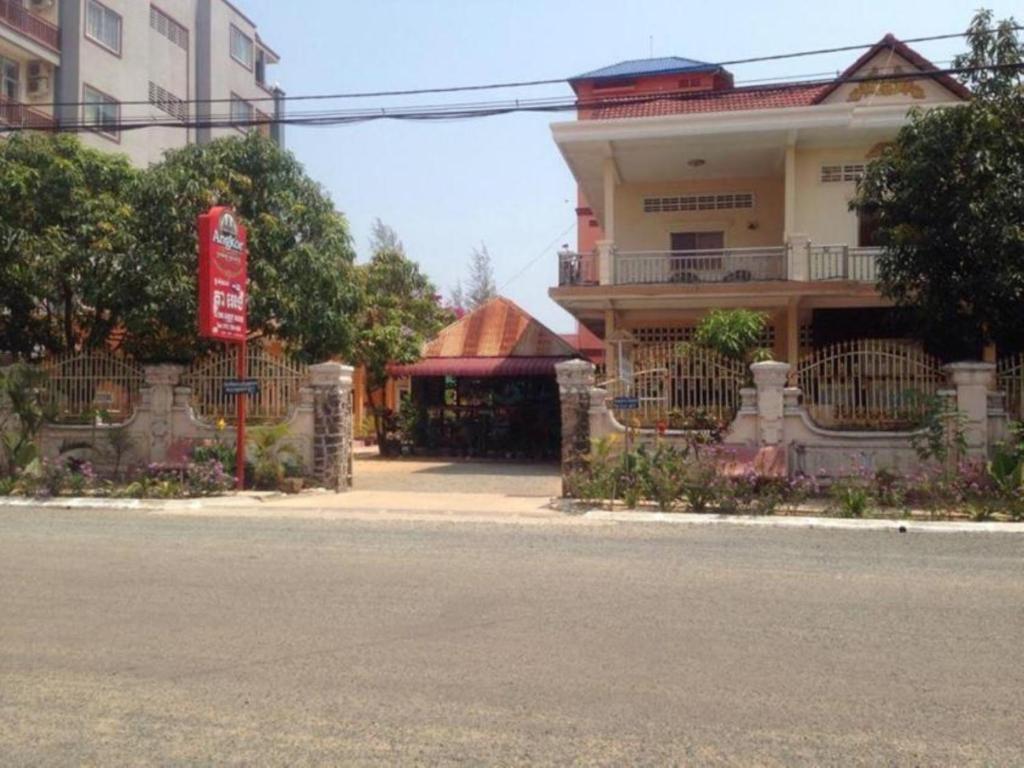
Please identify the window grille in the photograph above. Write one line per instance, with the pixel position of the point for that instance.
(168, 27)
(166, 101)
(717, 202)
(839, 173)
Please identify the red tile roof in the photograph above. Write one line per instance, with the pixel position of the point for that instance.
(737, 99)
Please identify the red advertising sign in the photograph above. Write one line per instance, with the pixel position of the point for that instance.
(223, 276)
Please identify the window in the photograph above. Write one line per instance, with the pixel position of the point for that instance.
(242, 112)
(168, 27)
(698, 203)
(261, 68)
(102, 112)
(868, 230)
(241, 47)
(9, 79)
(103, 26)
(831, 174)
(166, 101)
(698, 241)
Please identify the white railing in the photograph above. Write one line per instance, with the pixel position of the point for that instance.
(843, 262)
(729, 265)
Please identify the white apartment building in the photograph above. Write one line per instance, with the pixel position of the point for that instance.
(108, 63)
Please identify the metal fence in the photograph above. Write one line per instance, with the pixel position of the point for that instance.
(869, 384)
(1010, 378)
(84, 386)
(842, 262)
(577, 268)
(280, 381)
(673, 382)
(732, 265)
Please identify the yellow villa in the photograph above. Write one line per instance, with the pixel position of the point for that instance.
(695, 193)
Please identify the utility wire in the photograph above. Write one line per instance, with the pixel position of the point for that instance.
(532, 83)
(477, 109)
(543, 252)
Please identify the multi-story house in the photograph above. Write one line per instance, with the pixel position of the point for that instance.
(696, 193)
(110, 63)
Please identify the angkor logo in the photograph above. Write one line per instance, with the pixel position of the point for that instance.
(227, 233)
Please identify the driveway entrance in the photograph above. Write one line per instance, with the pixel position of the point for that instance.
(446, 476)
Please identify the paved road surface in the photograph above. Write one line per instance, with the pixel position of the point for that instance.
(132, 639)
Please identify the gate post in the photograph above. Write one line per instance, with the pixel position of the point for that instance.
(332, 425)
(973, 381)
(575, 381)
(770, 379)
(155, 418)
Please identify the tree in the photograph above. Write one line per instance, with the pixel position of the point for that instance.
(303, 288)
(948, 196)
(66, 238)
(401, 313)
(481, 287)
(733, 333)
(384, 238)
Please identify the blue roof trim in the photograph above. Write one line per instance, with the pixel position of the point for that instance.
(659, 66)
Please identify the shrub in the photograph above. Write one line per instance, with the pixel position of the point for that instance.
(850, 497)
(207, 478)
(701, 484)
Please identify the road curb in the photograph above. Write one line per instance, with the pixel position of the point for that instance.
(138, 505)
(833, 523)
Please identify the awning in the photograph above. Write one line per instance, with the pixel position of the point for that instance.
(479, 367)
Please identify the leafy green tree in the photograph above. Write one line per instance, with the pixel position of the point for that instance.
(303, 285)
(401, 313)
(733, 333)
(66, 234)
(948, 195)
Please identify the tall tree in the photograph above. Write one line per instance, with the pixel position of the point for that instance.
(384, 238)
(480, 285)
(301, 265)
(401, 313)
(66, 235)
(948, 195)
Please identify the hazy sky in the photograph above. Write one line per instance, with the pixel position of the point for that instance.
(448, 186)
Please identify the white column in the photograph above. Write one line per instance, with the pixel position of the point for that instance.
(611, 180)
(973, 381)
(770, 380)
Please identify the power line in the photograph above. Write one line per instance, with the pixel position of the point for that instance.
(473, 110)
(543, 252)
(529, 83)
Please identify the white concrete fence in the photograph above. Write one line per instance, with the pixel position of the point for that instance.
(771, 415)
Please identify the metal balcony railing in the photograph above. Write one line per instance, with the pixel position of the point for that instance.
(729, 265)
(577, 268)
(843, 262)
(14, 15)
(17, 114)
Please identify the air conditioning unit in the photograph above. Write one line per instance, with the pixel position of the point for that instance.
(40, 77)
(41, 5)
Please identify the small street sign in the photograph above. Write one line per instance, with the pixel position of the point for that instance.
(626, 403)
(242, 387)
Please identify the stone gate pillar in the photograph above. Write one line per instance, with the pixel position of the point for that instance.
(154, 421)
(575, 381)
(973, 382)
(770, 381)
(332, 425)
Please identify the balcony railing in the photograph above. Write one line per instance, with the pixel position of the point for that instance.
(730, 265)
(577, 268)
(21, 116)
(14, 15)
(843, 262)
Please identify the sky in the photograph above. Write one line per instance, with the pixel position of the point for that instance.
(446, 187)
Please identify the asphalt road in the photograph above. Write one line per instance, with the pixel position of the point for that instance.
(128, 639)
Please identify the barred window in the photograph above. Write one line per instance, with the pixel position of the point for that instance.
(717, 202)
(662, 335)
(166, 101)
(839, 173)
(168, 27)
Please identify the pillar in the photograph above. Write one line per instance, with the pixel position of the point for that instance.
(973, 382)
(575, 382)
(332, 425)
(155, 420)
(770, 382)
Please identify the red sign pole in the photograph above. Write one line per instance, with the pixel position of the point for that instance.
(240, 430)
(223, 300)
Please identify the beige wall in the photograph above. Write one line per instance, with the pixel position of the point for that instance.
(823, 209)
(760, 226)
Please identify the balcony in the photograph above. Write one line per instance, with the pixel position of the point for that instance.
(14, 15)
(803, 263)
(15, 114)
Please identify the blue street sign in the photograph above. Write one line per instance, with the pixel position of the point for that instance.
(242, 387)
(626, 403)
